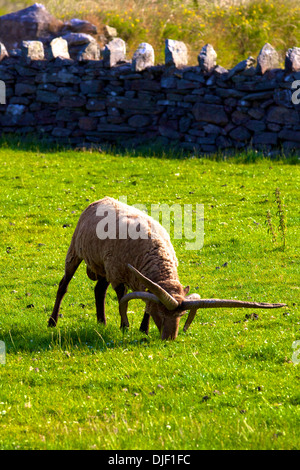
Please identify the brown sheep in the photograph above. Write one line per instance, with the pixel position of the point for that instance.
(126, 248)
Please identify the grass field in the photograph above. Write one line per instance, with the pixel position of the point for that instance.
(235, 28)
(228, 383)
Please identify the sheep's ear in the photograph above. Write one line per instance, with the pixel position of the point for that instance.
(186, 290)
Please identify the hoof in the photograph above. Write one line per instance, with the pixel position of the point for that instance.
(51, 322)
(144, 330)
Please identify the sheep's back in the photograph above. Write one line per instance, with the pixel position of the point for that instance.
(154, 256)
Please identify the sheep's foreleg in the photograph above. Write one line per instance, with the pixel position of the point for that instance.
(121, 291)
(144, 328)
(100, 292)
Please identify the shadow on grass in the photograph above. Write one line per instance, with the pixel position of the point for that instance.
(148, 150)
(89, 336)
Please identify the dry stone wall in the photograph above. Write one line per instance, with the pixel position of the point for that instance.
(201, 108)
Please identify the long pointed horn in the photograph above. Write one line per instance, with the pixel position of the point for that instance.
(224, 303)
(192, 313)
(193, 306)
(165, 298)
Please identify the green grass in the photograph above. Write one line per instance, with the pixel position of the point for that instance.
(228, 383)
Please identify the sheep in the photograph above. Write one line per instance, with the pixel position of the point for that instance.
(128, 249)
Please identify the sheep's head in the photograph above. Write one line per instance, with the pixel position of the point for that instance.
(166, 309)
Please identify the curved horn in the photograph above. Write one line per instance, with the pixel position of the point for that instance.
(165, 298)
(139, 295)
(134, 295)
(193, 306)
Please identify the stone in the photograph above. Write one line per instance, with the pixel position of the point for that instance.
(90, 51)
(47, 96)
(91, 86)
(19, 100)
(110, 32)
(168, 132)
(255, 126)
(14, 114)
(184, 124)
(76, 25)
(256, 113)
(229, 93)
(121, 102)
(238, 117)
(168, 82)
(194, 77)
(265, 138)
(73, 101)
(30, 23)
(15, 52)
(220, 72)
(77, 39)
(68, 115)
(15, 109)
(209, 140)
(223, 142)
(240, 67)
(212, 113)
(24, 89)
(240, 134)
(64, 77)
(209, 98)
(292, 60)
(44, 117)
(88, 123)
(114, 128)
(139, 120)
(186, 84)
(283, 98)
(213, 129)
(260, 95)
(114, 52)
(207, 59)
(64, 90)
(28, 119)
(59, 48)
(3, 51)
(271, 126)
(143, 57)
(290, 146)
(95, 105)
(176, 53)
(46, 86)
(61, 62)
(282, 115)
(145, 85)
(289, 135)
(61, 132)
(32, 50)
(208, 148)
(267, 59)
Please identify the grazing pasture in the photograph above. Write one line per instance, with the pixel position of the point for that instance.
(230, 382)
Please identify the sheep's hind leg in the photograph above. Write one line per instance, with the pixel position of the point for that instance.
(144, 328)
(121, 291)
(62, 289)
(100, 292)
